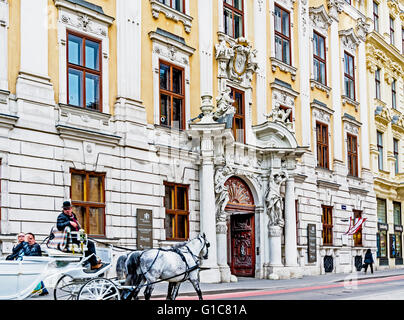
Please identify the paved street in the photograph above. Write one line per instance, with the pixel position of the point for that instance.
(382, 285)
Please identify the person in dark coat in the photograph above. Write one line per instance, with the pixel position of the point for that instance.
(16, 249)
(29, 248)
(368, 260)
(68, 219)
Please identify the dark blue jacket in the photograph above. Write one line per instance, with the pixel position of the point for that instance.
(64, 220)
(368, 257)
(24, 249)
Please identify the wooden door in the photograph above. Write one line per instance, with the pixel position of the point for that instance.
(241, 232)
(242, 245)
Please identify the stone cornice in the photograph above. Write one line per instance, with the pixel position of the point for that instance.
(171, 14)
(85, 11)
(80, 134)
(154, 36)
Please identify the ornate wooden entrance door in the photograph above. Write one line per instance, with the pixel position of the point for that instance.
(242, 229)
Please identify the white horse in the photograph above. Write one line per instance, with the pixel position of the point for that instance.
(175, 265)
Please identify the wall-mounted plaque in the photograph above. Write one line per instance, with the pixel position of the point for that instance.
(311, 243)
(144, 220)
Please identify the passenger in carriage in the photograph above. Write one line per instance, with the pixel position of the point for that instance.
(28, 248)
(68, 219)
(16, 249)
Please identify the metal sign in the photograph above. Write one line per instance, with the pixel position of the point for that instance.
(311, 243)
(144, 220)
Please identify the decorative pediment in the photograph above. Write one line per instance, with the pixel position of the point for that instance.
(382, 114)
(321, 21)
(362, 29)
(171, 14)
(394, 7)
(275, 136)
(349, 39)
(335, 7)
(375, 58)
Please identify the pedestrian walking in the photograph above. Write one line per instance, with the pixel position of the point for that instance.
(368, 260)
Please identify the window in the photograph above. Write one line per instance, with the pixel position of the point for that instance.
(357, 237)
(319, 58)
(233, 18)
(352, 142)
(395, 245)
(282, 35)
(377, 83)
(376, 16)
(84, 72)
(380, 149)
(178, 5)
(402, 41)
(395, 152)
(381, 240)
(393, 95)
(397, 213)
(327, 225)
(87, 193)
(322, 145)
(177, 211)
(239, 116)
(381, 210)
(391, 30)
(172, 98)
(349, 76)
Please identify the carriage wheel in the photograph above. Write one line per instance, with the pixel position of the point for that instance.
(99, 289)
(66, 288)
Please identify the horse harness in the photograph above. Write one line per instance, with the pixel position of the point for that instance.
(181, 254)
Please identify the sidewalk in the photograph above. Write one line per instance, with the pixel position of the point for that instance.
(252, 284)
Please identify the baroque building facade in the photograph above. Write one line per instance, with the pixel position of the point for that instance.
(249, 121)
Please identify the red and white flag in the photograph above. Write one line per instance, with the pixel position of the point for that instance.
(354, 226)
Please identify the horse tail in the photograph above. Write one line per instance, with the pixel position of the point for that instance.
(132, 267)
(121, 270)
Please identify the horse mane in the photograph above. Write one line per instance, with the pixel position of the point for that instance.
(179, 245)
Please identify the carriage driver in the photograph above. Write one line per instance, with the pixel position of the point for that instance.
(68, 219)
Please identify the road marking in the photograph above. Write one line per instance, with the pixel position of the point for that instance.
(282, 291)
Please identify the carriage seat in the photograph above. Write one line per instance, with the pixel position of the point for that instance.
(67, 241)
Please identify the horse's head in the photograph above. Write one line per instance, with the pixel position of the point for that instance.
(205, 246)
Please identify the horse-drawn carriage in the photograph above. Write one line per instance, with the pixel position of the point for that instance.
(65, 260)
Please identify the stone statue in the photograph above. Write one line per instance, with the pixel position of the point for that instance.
(224, 104)
(273, 199)
(278, 114)
(222, 194)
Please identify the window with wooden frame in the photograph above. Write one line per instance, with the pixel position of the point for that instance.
(282, 35)
(395, 153)
(177, 211)
(87, 193)
(381, 210)
(357, 236)
(322, 145)
(397, 213)
(393, 94)
(352, 146)
(380, 149)
(239, 116)
(233, 14)
(84, 71)
(349, 75)
(376, 16)
(319, 60)
(172, 97)
(178, 5)
(391, 20)
(377, 83)
(326, 220)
